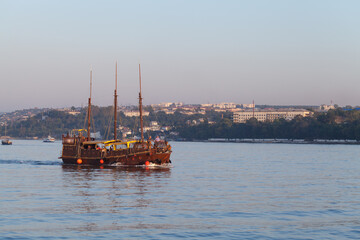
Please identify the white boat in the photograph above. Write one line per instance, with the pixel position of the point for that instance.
(49, 139)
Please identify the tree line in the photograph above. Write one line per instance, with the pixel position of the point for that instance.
(334, 124)
(56, 123)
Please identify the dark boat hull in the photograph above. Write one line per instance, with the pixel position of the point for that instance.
(139, 160)
(126, 158)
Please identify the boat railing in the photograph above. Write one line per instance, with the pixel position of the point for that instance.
(77, 132)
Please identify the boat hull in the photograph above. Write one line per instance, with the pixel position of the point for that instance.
(131, 161)
(126, 157)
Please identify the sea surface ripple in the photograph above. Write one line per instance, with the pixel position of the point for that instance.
(211, 191)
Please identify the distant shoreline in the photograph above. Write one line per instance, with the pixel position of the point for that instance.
(280, 141)
(263, 141)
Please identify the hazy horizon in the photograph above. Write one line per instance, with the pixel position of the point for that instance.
(136, 105)
(274, 52)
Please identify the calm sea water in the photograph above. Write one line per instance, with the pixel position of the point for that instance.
(212, 191)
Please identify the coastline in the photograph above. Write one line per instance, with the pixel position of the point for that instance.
(248, 140)
(280, 141)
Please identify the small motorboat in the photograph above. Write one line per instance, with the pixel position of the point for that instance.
(6, 142)
(49, 139)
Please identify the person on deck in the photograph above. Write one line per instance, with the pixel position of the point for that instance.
(149, 142)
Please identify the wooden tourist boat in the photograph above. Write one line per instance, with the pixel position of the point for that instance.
(80, 148)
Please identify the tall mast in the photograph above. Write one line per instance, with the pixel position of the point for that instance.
(140, 109)
(115, 103)
(89, 108)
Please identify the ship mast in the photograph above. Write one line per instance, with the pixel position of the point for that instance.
(140, 109)
(115, 103)
(89, 109)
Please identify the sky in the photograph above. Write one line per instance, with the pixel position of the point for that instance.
(279, 52)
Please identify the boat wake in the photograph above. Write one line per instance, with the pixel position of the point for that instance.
(150, 166)
(30, 162)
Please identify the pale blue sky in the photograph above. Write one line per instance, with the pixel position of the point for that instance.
(195, 51)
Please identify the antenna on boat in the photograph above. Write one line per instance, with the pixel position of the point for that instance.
(140, 108)
(115, 102)
(89, 107)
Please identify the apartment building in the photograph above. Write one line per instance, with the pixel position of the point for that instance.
(269, 115)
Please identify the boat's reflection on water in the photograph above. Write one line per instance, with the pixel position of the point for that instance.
(115, 168)
(120, 175)
(112, 194)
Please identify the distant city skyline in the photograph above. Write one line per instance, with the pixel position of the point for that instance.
(274, 52)
(226, 106)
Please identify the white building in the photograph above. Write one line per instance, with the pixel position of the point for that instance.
(326, 108)
(251, 105)
(220, 105)
(206, 105)
(167, 104)
(266, 115)
(135, 113)
(168, 111)
(226, 105)
(74, 113)
(154, 126)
